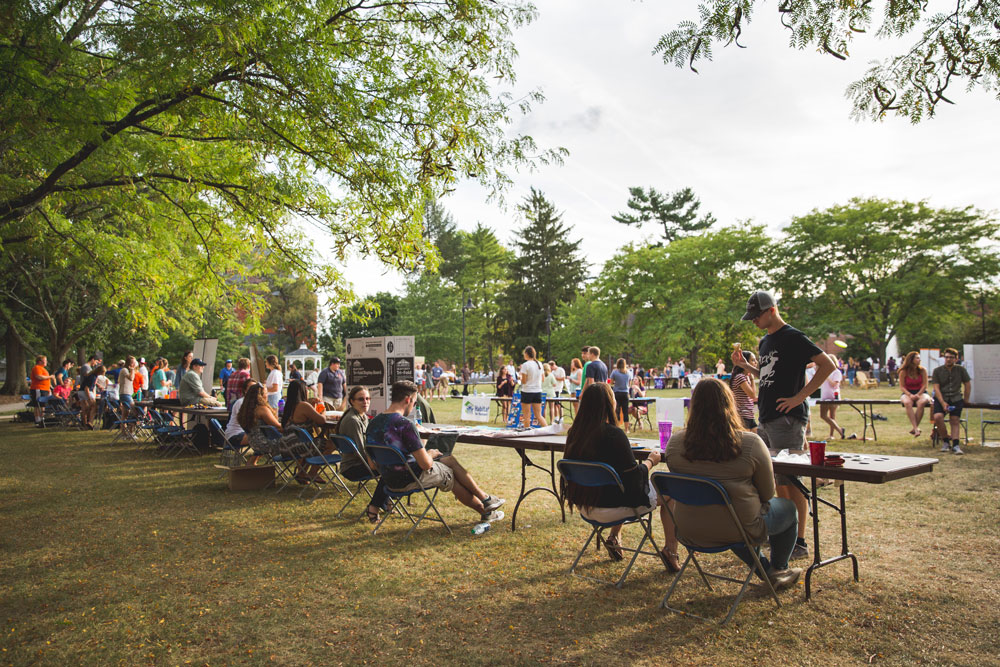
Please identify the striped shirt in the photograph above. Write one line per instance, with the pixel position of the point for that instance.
(744, 405)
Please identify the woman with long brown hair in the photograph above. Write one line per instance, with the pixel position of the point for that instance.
(254, 414)
(596, 435)
(716, 445)
(913, 382)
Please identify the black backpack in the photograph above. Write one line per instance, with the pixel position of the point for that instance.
(202, 437)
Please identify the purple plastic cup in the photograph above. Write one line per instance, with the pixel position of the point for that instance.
(666, 428)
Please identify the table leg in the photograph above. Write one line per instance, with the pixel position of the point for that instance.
(871, 410)
(551, 471)
(818, 562)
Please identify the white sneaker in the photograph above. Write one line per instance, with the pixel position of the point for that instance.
(957, 450)
(495, 515)
(945, 447)
(491, 503)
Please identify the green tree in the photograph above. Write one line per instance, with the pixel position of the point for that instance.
(874, 268)
(430, 311)
(292, 310)
(676, 213)
(232, 125)
(587, 320)
(440, 231)
(549, 271)
(685, 299)
(376, 316)
(958, 47)
(484, 278)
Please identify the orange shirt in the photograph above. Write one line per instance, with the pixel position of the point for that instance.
(42, 385)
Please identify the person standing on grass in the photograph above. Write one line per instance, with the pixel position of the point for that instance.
(41, 384)
(437, 377)
(331, 384)
(952, 386)
(575, 377)
(466, 378)
(621, 379)
(531, 389)
(741, 384)
(595, 371)
(784, 354)
(434, 469)
(559, 375)
(830, 391)
(274, 382)
(126, 379)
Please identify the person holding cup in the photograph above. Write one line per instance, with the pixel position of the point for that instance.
(596, 436)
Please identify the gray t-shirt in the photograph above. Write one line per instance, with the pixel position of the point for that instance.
(621, 380)
(191, 388)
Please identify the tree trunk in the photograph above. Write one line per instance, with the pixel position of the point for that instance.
(16, 383)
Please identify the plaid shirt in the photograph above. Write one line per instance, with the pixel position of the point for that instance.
(234, 385)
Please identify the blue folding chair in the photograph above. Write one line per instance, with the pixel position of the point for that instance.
(699, 492)
(230, 456)
(283, 463)
(326, 476)
(346, 447)
(589, 473)
(386, 457)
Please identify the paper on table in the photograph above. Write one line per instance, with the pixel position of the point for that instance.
(783, 455)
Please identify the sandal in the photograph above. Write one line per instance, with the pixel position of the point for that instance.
(614, 548)
(371, 513)
(669, 559)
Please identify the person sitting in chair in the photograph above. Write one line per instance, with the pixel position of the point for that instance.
(596, 436)
(435, 470)
(191, 390)
(717, 445)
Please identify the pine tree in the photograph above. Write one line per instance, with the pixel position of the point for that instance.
(549, 272)
(677, 213)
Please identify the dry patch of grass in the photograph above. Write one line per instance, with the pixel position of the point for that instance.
(112, 556)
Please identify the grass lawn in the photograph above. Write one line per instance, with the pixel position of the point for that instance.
(110, 555)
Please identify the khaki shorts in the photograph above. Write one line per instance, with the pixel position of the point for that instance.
(438, 476)
(783, 433)
(333, 403)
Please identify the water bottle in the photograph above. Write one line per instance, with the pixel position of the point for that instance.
(480, 528)
(281, 405)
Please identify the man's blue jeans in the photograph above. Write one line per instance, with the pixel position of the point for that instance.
(782, 522)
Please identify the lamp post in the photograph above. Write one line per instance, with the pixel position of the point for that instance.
(548, 330)
(466, 305)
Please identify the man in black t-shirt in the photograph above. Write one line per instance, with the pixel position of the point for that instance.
(784, 353)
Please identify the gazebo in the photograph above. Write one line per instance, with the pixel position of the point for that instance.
(302, 355)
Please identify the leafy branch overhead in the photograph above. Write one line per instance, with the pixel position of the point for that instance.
(677, 213)
(952, 49)
(244, 125)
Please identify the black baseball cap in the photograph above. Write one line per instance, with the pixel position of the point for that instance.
(335, 360)
(197, 362)
(758, 303)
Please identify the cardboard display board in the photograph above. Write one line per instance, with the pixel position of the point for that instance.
(205, 349)
(258, 371)
(375, 363)
(983, 364)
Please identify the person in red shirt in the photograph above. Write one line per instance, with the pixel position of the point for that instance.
(40, 384)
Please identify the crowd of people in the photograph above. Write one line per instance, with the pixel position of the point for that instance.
(737, 420)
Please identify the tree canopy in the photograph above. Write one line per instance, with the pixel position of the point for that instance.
(873, 268)
(234, 127)
(956, 46)
(677, 213)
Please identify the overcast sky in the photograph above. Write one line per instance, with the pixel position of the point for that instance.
(761, 134)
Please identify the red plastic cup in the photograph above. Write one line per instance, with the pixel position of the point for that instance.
(666, 428)
(817, 452)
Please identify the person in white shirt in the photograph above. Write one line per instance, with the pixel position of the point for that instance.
(274, 380)
(829, 391)
(531, 389)
(234, 432)
(559, 373)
